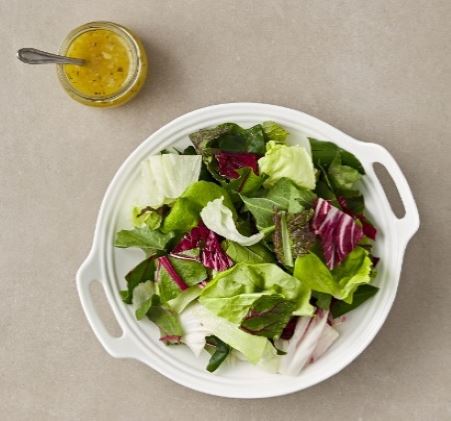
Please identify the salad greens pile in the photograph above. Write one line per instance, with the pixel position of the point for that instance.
(252, 246)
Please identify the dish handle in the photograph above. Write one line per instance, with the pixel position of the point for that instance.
(119, 347)
(408, 225)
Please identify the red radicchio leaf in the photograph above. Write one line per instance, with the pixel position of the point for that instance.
(228, 162)
(338, 231)
(211, 256)
(368, 228)
(288, 330)
(375, 260)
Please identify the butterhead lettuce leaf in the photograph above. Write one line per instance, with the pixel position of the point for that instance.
(293, 162)
(165, 177)
(342, 281)
(256, 349)
(230, 294)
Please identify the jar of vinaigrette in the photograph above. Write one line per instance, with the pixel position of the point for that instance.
(115, 64)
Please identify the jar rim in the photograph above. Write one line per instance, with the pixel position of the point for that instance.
(135, 65)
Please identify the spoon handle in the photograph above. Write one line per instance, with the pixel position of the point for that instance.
(33, 56)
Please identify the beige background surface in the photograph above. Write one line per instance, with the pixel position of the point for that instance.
(378, 70)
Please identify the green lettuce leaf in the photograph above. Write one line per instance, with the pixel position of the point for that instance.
(144, 271)
(252, 254)
(293, 162)
(166, 177)
(186, 297)
(144, 238)
(256, 349)
(185, 213)
(247, 183)
(168, 322)
(323, 153)
(262, 209)
(284, 195)
(290, 197)
(342, 281)
(190, 271)
(274, 132)
(149, 217)
(219, 350)
(147, 303)
(342, 177)
(292, 236)
(341, 182)
(232, 308)
(144, 296)
(219, 218)
(230, 294)
(363, 293)
(268, 316)
(323, 300)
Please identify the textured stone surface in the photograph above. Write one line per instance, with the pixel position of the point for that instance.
(378, 70)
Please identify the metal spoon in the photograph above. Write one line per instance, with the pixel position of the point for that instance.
(33, 56)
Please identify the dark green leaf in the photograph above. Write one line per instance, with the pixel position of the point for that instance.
(290, 197)
(144, 308)
(253, 254)
(355, 202)
(220, 350)
(323, 153)
(202, 138)
(144, 271)
(342, 177)
(323, 300)
(262, 209)
(191, 271)
(268, 316)
(284, 195)
(363, 293)
(230, 137)
(247, 183)
(243, 140)
(245, 225)
(323, 190)
(168, 322)
(144, 238)
(170, 151)
(326, 189)
(190, 150)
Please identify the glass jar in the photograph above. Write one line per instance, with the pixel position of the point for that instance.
(116, 64)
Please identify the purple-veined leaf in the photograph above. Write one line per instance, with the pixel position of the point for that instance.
(338, 231)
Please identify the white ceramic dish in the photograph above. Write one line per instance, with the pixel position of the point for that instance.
(241, 380)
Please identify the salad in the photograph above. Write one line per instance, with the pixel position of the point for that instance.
(254, 248)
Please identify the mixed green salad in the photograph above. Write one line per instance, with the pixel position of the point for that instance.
(253, 247)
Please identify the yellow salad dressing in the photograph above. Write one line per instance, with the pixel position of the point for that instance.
(107, 63)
